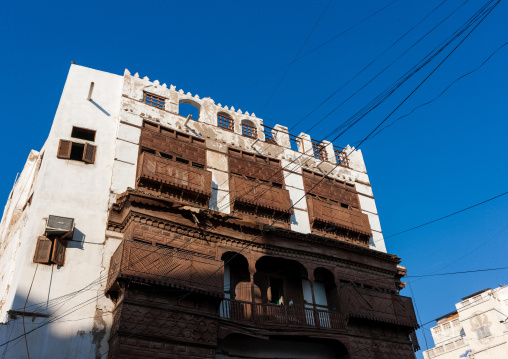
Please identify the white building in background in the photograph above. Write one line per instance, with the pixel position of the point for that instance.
(477, 329)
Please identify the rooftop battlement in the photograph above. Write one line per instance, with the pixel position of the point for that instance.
(235, 127)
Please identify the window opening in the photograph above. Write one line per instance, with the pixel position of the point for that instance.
(277, 291)
(83, 134)
(165, 155)
(225, 122)
(77, 151)
(181, 160)
(319, 151)
(153, 100)
(186, 109)
(197, 165)
(147, 150)
(249, 130)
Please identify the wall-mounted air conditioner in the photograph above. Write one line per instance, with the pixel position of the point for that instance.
(58, 226)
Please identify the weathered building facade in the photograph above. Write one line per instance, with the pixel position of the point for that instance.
(213, 237)
(478, 328)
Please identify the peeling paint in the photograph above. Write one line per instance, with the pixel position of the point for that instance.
(98, 331)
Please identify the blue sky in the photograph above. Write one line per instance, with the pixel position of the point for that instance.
(444, 157)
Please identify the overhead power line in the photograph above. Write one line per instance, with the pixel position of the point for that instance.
(449, 215)
(441, 94)
(314, 49)
(294, 59)
(453, 273)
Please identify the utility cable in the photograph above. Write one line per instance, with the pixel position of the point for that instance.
(449, 215)
(375, 59)
(438, 96)
(313, 50)
(294, 59)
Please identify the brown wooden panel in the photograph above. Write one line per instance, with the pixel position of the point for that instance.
(183, 147)
(43, 250)
(89, 153)
(64, 149)
(333, 213)
(250, 165)
(166, 266)
(175, 174)
(259, 194)
(330, 188)
(365, 303)
(58, 254)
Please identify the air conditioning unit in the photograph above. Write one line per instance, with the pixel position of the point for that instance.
(58, 226)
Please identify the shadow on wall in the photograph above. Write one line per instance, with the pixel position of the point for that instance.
(242, 346)
(68, 336)
(78, 240)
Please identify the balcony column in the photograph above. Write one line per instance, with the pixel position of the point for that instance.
(311, 282)
(252, 271)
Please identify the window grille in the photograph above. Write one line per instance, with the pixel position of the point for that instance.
(446, 326)
(153, 100)
(319, 151)
(341, 157)
(249, 131)
(483, 332)
(225, 122)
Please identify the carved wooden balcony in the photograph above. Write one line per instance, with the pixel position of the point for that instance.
(282, 316)
(333, 214)
(259, 194)
(384, 307)
(165, 266)
(175, 174)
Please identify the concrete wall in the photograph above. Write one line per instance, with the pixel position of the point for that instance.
(71, 189)
(487, 309)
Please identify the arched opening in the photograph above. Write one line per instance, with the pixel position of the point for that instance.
(189, 107)
(325, 290)
(237, 287)
(279, 281)
(297, 347)
(236, 277)
(249, 129)
(225, 121)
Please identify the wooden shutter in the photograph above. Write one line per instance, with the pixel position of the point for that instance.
(64, 149)
(42, 250)
(89, 153)
(58, 255)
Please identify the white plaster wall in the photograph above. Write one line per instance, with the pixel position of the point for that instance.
(490, 306)
(81, 191)
(219, 139)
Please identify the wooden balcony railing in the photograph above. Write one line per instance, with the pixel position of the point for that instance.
(175, 174)
(166, 266)
(282, 315)
(260, 194)
(384, 307)
(332, 213)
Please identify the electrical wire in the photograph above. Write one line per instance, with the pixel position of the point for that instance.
(296, 56)
(447, 216)
(438, 96)
(313, 50)
(373, 61)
